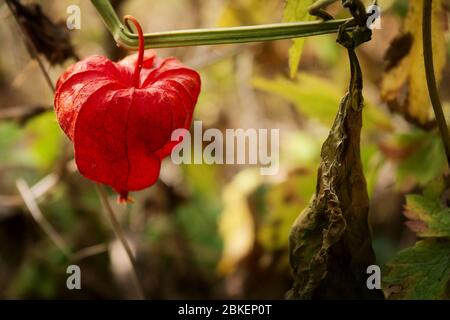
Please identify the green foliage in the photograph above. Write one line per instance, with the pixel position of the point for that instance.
(429, 216)
(40, 276)
(198, 221)
(284, 201)
(421, 159)
(426, 163)
(10, 135)
(314, 97)
(46, 140)
(317, 98)
(198, 218)
(421, 272)
(37, 144)
(371, 161)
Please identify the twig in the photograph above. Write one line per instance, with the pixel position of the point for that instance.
(22, 114)
(30, 201)
(431, 77)
(89, 251)
(37, 215)
(120, 234)
(39, 189)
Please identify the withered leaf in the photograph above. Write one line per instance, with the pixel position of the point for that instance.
(398, 49)
(49, 38)
(330, 244)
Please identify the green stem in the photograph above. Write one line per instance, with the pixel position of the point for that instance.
(196, 37)
(431, 78)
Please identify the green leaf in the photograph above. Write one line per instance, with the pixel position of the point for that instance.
(371, 165)
(296, 10)
(45, 140)
(427, 163)
(198, 217)
(421, 272)
(317, 98)
(428, 215)
(422, 157)
(314, 97)
(10, 135)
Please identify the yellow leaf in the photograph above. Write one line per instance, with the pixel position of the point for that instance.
(406, 74)
(296, 10)
(236, 225)
(285, 201)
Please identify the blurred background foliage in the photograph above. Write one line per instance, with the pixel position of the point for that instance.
(203, 231)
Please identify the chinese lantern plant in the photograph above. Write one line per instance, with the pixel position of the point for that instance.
(120, 115)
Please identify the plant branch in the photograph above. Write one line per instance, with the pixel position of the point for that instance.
(121, 236)
(90, 251)
(22, 114)
(197, 37)
(30, 201)
(431, 77)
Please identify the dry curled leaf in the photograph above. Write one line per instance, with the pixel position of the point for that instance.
(330, 244)
(49, 38)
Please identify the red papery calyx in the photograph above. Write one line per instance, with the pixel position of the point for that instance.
(120, 115)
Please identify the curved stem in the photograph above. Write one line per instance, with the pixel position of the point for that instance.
(431, 78)
(196, 37)
(119, 233)
(137, 69)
